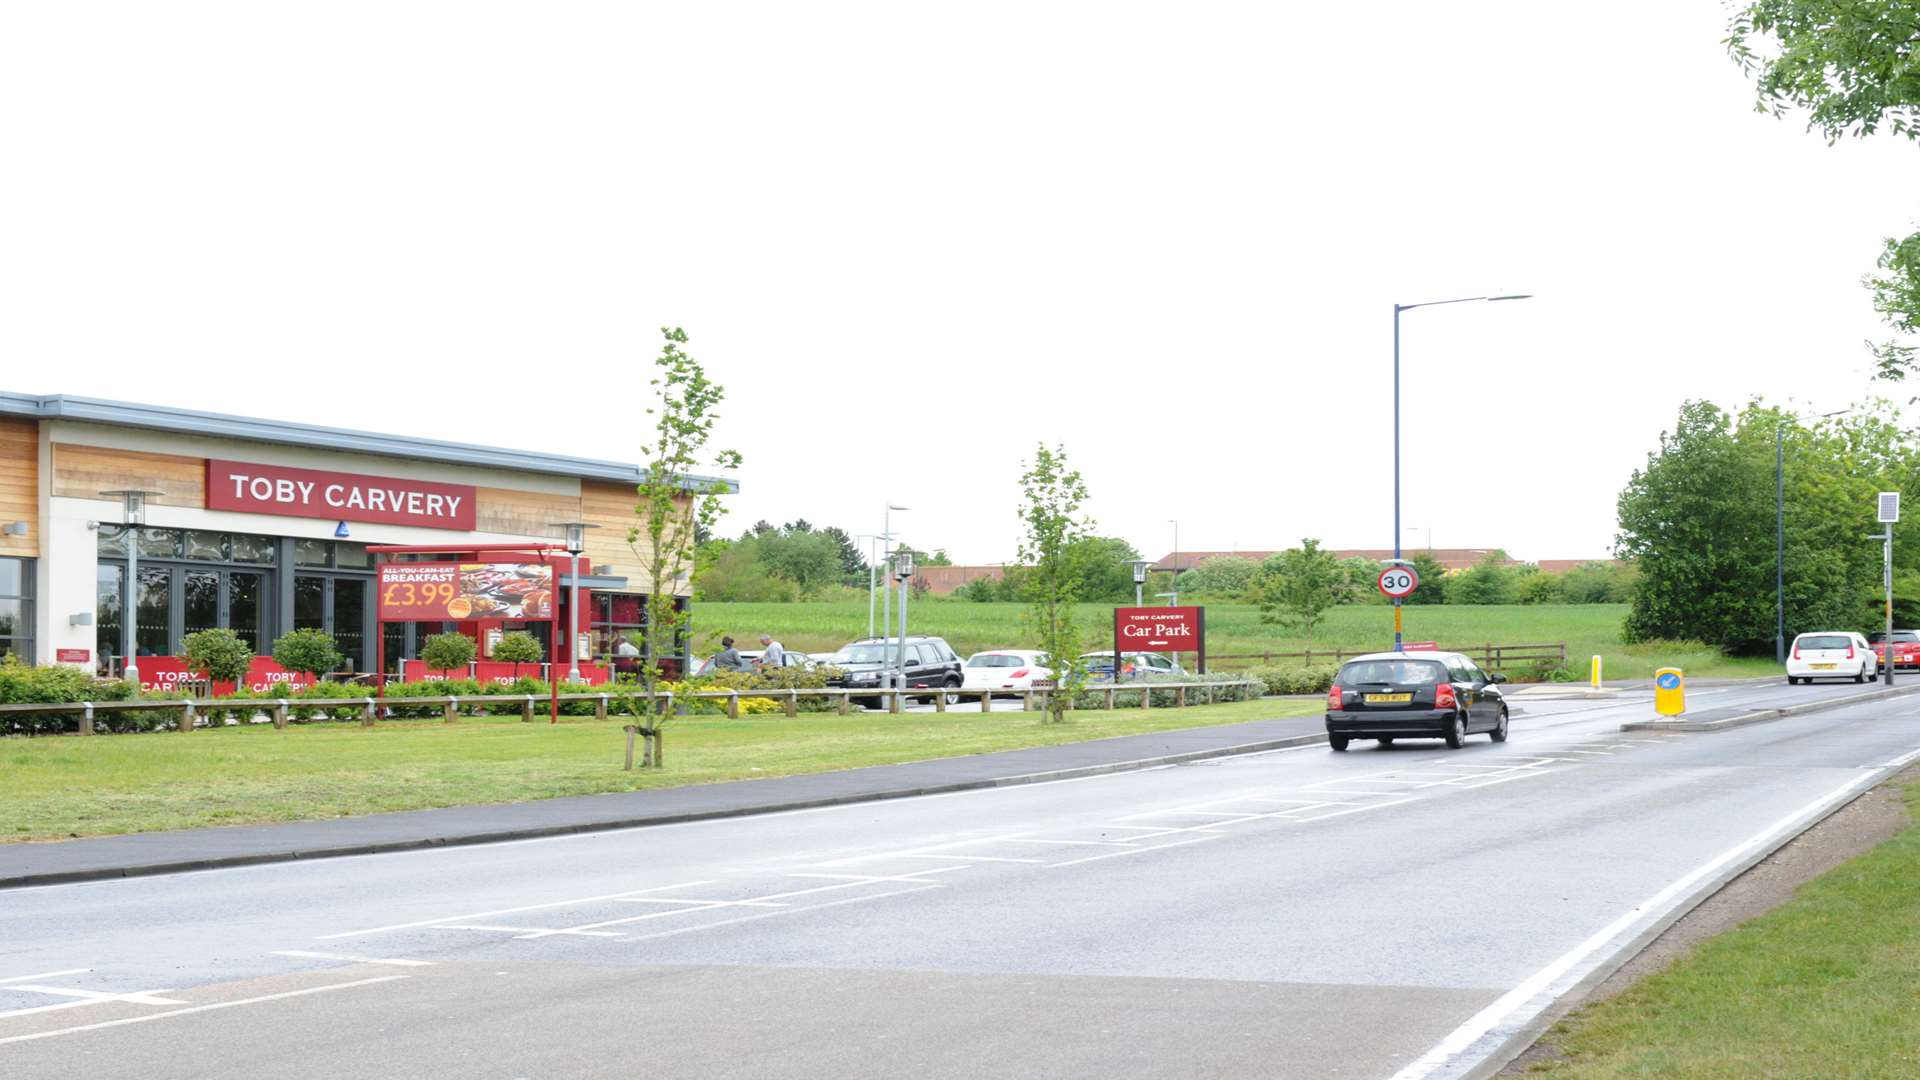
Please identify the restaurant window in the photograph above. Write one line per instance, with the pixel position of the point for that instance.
(196, 581)
(16, 609)
(616, 616)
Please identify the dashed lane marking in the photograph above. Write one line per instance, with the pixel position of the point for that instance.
(510, 911)
(43, 975)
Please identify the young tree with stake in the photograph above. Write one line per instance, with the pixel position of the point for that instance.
(1051, 513)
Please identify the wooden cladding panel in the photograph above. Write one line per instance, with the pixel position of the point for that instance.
(527, 513)
(610, 506)
(20, 485)
(83, 472)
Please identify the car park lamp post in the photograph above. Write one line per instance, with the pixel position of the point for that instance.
(576, 532)
(1397, 309)
(133, 503)
(886, 555)
(1139, 577)
(902, 569)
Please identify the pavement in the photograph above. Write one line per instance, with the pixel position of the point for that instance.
(242, 845)
(1407, 912)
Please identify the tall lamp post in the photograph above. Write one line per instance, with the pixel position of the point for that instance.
(1780, 537)
(576, 532)
(1139, 577)
(886, 553)
(1397, 309)
(902, 569)
(133, 503)
(873, 577)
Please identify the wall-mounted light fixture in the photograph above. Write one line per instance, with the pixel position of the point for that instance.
(16, 528)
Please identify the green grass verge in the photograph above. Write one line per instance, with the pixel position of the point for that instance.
(61, 787)
(1588, 629)
(1827, 985)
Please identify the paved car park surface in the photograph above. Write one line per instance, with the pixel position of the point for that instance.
(1379, 913)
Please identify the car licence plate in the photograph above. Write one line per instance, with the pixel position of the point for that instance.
(1388, 699)
(1821, 667)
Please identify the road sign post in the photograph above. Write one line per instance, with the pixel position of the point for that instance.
(1889, 512)
(1397, 582)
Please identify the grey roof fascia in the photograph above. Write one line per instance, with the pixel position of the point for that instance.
(193, 422)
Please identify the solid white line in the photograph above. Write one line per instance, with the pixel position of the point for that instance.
(511, 910)
(924, 850)
(1355, 810)
(771, 914)
(694, 903)
(199, 1009)
(389, 961)
(1089, 843)
(1135, 851)
(42, 975)
(882, 877)
(969, 858)
(523, 931)
(1518, 1003)
(593, 929)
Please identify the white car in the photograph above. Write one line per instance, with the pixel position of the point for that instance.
(1003, 669)
(1832, 654)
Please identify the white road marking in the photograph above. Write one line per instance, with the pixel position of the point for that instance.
(509, 911)
(1088, 843)
(519, 931)
(969, 858)
(1540, 989)
(882, 877)
(1135, 851)
(199, 1009)
(693, 902)
(594, 928)
(390, 961)
(140, 997)
(43, 975)
(770, 914)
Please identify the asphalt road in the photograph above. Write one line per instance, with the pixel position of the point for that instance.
(1301, 913)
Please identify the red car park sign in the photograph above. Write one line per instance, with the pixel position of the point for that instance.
(1160, 630)
(336, 496)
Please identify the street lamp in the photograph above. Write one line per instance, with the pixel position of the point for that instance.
(1139, 577)
(902, 569)
(576, 532)
(886, 552)
(873, 577)
(133, 503)
(1397, 309)
(1780, 537)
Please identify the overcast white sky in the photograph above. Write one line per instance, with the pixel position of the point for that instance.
(912, 240)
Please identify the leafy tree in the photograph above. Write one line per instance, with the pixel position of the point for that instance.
(1052, 495)
(451, 651)
(1530, 586)
(1489, 581)
(672, 507)
(1298, 586)
(219, 652)
(809, 560)
(1100, 565)
(1433, 579)
(1854, 65)
(516, 648)
(1698, 525)
(311, 651)
(1597, 583)
(853, 564)
(1360, 582)
(1229, 577)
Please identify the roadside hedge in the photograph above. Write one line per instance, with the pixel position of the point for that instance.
(1296, 680)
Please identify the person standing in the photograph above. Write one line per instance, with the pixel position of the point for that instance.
(728, 658)
(773, 656)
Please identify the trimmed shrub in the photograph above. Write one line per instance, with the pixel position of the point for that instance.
(311, 651)
(219, 652)
(451, 651)
(22, 684)
(1301, 680)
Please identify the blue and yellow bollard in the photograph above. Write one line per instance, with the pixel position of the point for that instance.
(1669, 691)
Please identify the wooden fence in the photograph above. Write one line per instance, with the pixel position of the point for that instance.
(1490, 656)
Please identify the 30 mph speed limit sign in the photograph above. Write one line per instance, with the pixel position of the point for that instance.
(1399, 581)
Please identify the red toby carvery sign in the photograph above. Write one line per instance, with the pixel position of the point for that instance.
(316, 493)
(1158, 629)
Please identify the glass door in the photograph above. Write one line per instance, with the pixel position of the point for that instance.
(337, 605)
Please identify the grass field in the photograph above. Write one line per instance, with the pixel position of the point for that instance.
(1236, 628)
(61, 787)
(1827, 985)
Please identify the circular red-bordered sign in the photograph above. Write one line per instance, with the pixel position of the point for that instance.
(1399, 581)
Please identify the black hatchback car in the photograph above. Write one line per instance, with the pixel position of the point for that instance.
(1421, 695)
(869, 663)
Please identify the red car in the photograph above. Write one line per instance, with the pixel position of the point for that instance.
(1906, 647)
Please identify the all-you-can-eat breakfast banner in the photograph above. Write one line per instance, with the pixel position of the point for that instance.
(456, 592)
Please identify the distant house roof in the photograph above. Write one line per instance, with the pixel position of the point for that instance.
(943, 580)
(1450, 558)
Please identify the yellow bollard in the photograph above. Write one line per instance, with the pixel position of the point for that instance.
(1596, 673)
(1669, 691)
